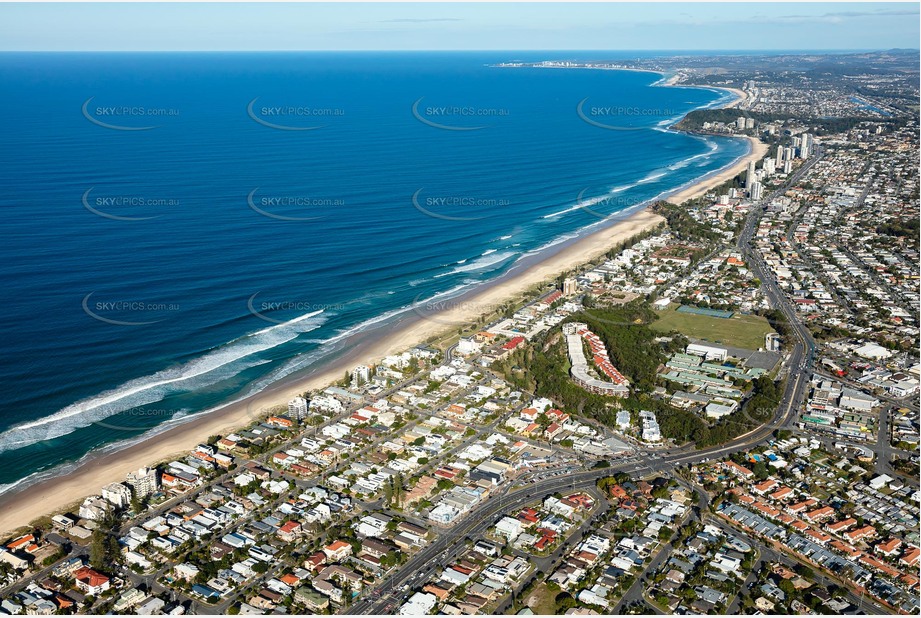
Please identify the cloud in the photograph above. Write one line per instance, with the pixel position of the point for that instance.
(835, 17)
(838, 16)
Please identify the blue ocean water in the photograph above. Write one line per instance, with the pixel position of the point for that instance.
(182, 229)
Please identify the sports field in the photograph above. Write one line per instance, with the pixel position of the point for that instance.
(741, 331)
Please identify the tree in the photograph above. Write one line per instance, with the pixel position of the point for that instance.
(260, 567)
(104, 550)
(787, 586)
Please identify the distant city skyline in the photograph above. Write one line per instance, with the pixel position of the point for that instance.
(457, 26)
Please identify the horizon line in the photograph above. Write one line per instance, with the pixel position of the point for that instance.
(469, 51)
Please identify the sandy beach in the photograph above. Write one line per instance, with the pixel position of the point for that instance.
(20, 507)
(758, 151)
(55, 494)
(742, 97)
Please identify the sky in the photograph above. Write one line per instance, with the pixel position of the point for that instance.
(456, 26)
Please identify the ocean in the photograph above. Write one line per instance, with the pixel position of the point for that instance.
(181, 230)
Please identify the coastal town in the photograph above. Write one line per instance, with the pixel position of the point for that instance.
(717, 416)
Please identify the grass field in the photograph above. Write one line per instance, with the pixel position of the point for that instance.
(741, 331)
(543, 600)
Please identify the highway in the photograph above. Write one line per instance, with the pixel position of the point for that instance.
(384, 597)
(381, 598)
(802, 358)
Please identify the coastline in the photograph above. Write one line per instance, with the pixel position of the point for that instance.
(757, 150)
(23, 505)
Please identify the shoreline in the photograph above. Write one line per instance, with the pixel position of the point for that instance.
(22, 505)
(757, 150)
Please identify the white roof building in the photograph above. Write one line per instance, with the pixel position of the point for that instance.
(421, 603)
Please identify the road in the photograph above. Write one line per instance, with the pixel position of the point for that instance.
(382, 598)
(802, 358)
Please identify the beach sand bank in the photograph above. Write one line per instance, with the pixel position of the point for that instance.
(23, 505)
(757, 152)
(45, 497)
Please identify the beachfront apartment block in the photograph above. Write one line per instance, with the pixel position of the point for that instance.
(143, 482)
(117, 494)
(361, 375)
(298, 408)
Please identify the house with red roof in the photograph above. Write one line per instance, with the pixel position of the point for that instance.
(782, 494)
(888, 548)
(879, 565)
(446, 472)
(848, 550)
(764, 487)
(558, 416)
(737, 469)
(438, 591)
(819, 514)
(552, 431)
(290, 531)
(282, 422)
(618, 492)
(818, 536)
(529, 414)
(23, 543)
(547, 538)
(840, 526)
(799, 507)
(579, 501)
(315, 561)
(529, 516)
(910, 556)
(337, 551)
(867, 532)
(91, 581)
(767, 509)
